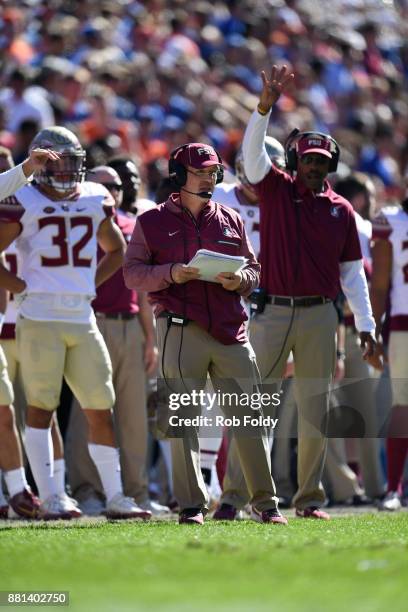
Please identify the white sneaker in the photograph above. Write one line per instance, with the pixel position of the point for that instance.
(154, 507)
(121, 507)
(59, 506)
(391, 502)
(92, 506)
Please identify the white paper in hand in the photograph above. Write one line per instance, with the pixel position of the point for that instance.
(211, 263)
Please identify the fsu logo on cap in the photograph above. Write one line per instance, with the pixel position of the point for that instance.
(227, 232)
(204, 151)
(315, 142)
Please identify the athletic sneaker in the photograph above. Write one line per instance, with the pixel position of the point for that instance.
(122, 507)
(272, 515)
(154, 507)
(226, 512)
(314, 513)
(59, 506)
(24, 505)
(391, 502)
(92, 506)
(191, 516)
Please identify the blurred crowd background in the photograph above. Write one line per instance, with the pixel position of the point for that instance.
(143, 77)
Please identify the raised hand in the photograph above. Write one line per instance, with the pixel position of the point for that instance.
(273, 87)
(37, 160)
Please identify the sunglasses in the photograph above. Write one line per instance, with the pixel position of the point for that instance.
(310, 158)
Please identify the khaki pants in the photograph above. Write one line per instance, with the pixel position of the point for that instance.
(281, 450)
(51, 350)
(312, 339)
(232, 368)
(124, 340)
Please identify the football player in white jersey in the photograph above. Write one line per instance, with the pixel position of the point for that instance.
(390, 274)
(57, 227)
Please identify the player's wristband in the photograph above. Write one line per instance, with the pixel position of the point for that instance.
(2, 317)
(261, 111)
(341, 355)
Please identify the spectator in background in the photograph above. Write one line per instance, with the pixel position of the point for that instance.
(24, 137)
(22, 104)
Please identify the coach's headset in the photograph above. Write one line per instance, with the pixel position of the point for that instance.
(291, 149)
(178, 172)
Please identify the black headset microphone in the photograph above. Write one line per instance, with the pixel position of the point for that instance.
(201, 194)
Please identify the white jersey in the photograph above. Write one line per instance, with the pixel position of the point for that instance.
(392, 224)
(365, 230)
(57, 250)
(226, 194)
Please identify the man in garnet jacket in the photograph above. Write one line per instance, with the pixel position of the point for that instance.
(201, 325)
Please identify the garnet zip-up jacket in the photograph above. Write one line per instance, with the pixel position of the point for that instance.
(170, 234)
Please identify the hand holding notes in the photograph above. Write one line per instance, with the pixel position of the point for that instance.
(181, 273)
(212, 267)
(229, 280)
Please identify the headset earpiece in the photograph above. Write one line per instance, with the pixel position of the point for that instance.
(177, 171)
(220, 171)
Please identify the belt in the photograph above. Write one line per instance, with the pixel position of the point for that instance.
(303, 302)
(118, 316)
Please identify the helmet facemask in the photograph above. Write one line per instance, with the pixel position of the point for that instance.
(65, 173)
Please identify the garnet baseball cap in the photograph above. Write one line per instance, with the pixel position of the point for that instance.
(197, 155)
(314, 143)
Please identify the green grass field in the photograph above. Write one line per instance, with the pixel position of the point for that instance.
(353, 563)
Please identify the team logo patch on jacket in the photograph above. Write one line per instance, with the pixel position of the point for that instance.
(227, 232)
(335, 211)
